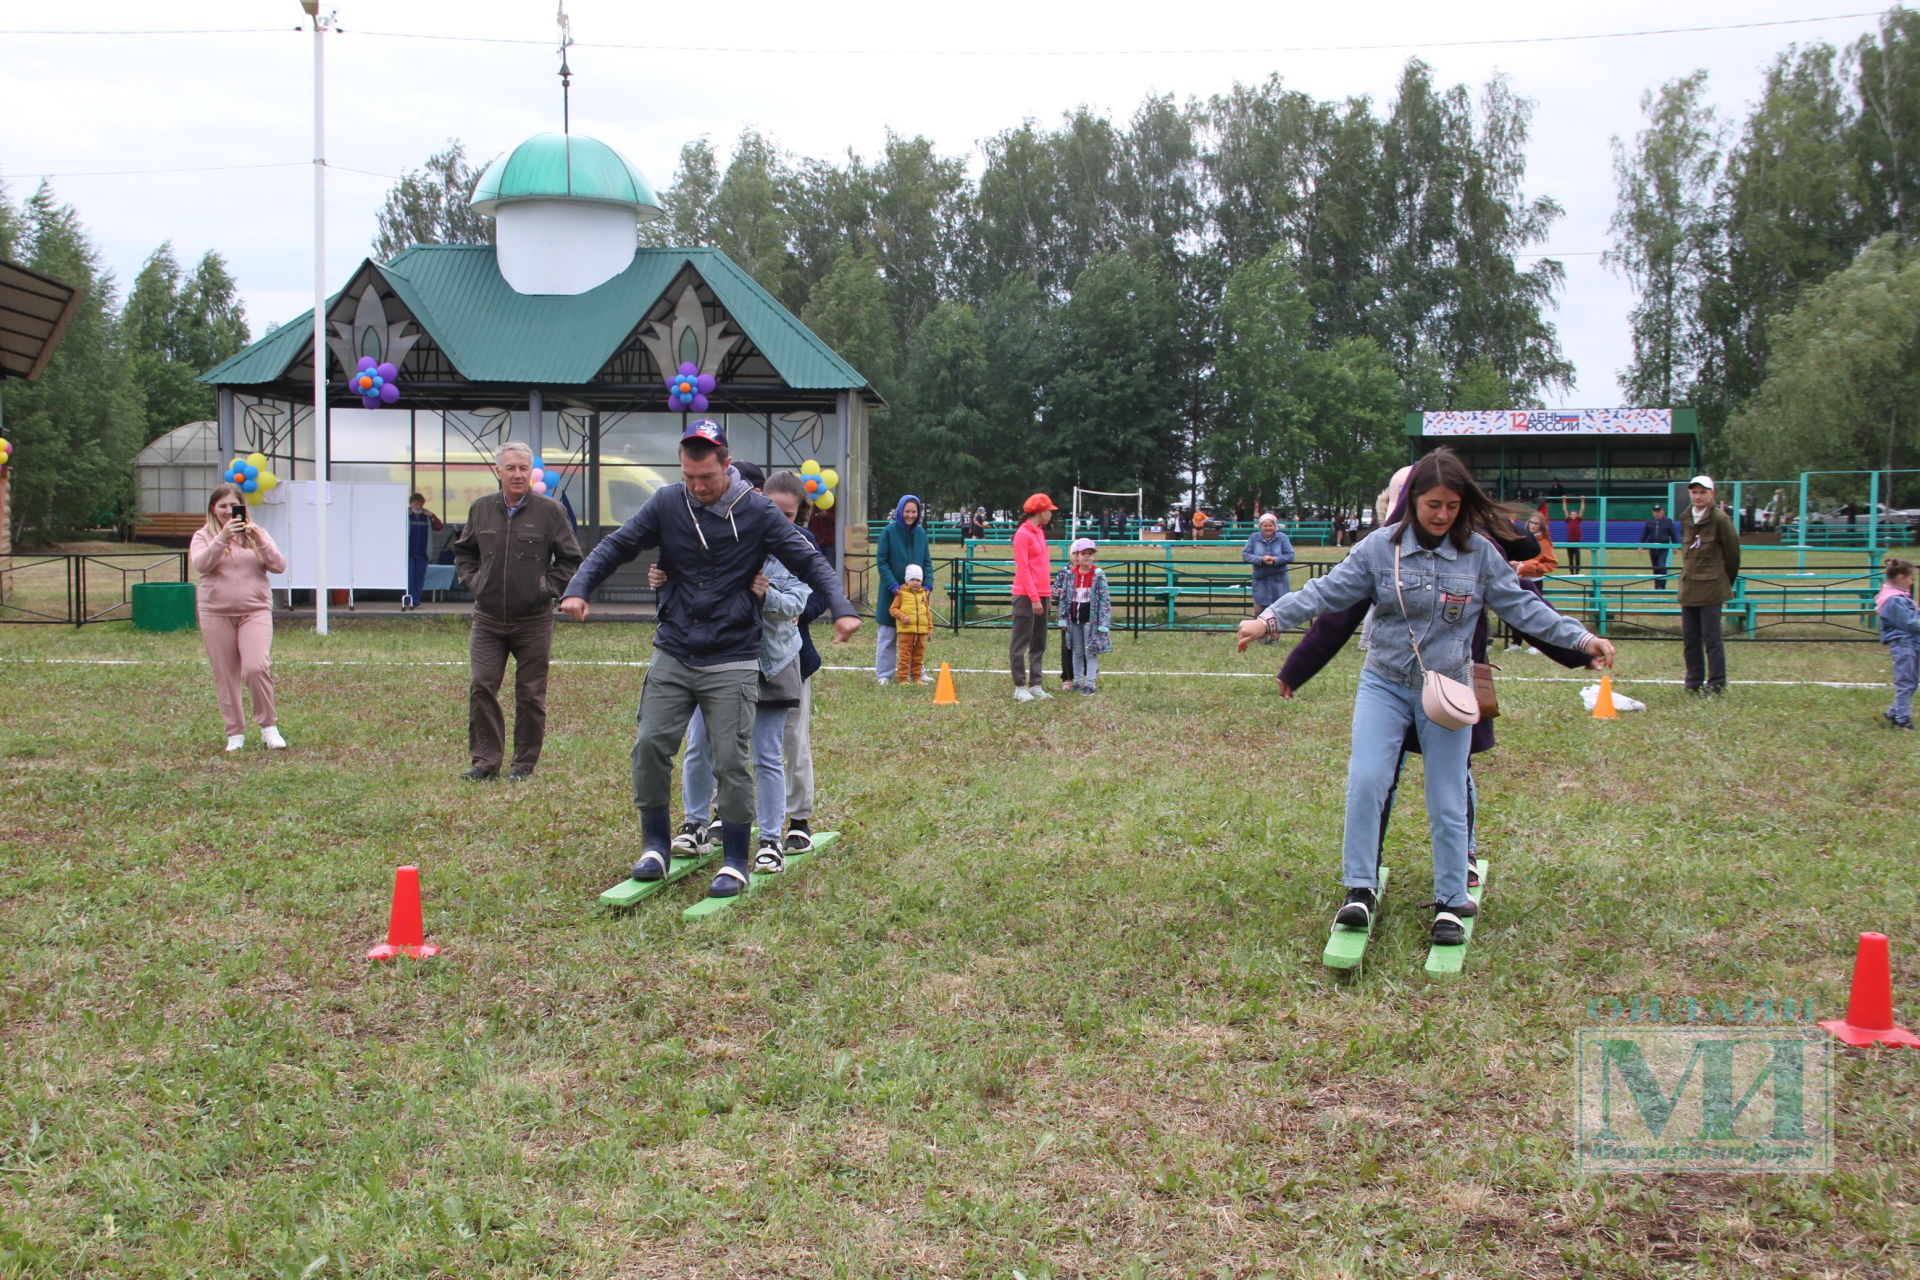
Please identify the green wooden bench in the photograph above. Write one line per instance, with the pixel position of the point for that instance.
(1841, 598)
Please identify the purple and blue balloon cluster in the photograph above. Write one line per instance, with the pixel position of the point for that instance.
(376, 383)
(688, 389)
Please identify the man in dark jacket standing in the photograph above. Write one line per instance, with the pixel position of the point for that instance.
(515, 554)
(713, 533)
(1709, 564)
(1659, 533)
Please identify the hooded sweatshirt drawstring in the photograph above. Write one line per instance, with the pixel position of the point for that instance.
(694, 516)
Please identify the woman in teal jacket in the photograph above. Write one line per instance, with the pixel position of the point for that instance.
(902, 542)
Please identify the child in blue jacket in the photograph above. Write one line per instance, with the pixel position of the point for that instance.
(1900, 632)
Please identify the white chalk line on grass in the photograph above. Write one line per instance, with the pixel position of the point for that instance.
(1584, 678)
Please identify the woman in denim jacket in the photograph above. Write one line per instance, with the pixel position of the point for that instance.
(1447, 575)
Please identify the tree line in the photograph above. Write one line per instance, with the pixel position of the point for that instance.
(1227, 300)
(1772, 259)
(124, 374)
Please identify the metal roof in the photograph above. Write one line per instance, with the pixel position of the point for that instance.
(490, 333)
(34, 313)
(557, 166)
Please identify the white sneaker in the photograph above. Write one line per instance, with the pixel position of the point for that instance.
(235, 741)
(1040, 694)
(1535, 652)
(882, 680)
(1020, 694)
(270, 738)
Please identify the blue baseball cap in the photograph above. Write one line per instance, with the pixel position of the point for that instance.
(705, 429)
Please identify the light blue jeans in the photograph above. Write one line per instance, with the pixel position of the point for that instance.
(1382, 710)
(769, 777)
(1906, 673)
(1086, 663)
(886, 649)
(1473, 809)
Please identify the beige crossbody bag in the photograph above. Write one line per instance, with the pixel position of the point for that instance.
(1447, 702)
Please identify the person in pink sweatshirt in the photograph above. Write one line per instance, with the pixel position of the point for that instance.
(1032, 588)
(233, 557)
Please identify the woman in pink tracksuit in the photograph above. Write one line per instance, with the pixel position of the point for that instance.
(1032, 588)
(233, 557)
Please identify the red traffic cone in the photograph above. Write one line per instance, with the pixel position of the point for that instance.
(406, 934)
(1869, 1017)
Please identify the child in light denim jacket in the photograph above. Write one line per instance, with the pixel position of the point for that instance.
(1900, 632)
(1086, 613)
(1429, 576)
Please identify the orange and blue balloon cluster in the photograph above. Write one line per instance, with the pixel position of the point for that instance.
(688, 389)
(376, 383)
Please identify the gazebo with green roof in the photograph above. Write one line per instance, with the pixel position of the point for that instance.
(580, 376)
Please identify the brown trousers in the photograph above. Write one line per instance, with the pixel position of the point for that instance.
(913, 652)
(529, 642)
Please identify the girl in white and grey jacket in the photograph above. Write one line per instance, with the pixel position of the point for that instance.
(1447, 574)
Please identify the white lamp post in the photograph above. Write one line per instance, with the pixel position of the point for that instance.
(321, 22)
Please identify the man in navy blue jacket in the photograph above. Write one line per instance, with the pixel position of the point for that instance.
(714, 533)
(1660, 533)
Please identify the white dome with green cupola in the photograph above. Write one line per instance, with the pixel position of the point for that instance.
(566, 209)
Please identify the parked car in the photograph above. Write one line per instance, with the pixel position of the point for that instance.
(1849, 513)
(1893, 520)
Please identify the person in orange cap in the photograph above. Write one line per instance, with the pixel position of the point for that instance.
(1032, 588)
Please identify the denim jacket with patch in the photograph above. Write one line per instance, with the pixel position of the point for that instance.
(1445, 589)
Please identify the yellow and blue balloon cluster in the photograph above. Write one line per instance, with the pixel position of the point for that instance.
(819, 483)
(250, 476)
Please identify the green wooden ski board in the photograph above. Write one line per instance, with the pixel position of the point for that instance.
(629, 892)
(1449, 959)
(1347, 946)
(760, 880)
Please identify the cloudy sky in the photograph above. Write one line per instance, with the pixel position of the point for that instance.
(203, 136)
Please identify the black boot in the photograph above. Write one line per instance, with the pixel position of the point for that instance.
(655, 844)
(736, 852)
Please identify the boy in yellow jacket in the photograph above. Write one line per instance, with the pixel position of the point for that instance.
(912, 611)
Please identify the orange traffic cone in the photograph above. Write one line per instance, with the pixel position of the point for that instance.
(1869, 1017)
(1603, 708)
(943, 694)
(406, 934)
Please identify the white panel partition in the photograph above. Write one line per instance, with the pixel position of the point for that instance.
(366, 528)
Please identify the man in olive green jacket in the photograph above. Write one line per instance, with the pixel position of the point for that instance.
(1709, 564)
(515, 555)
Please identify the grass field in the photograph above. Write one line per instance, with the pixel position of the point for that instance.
(1053, 1006)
